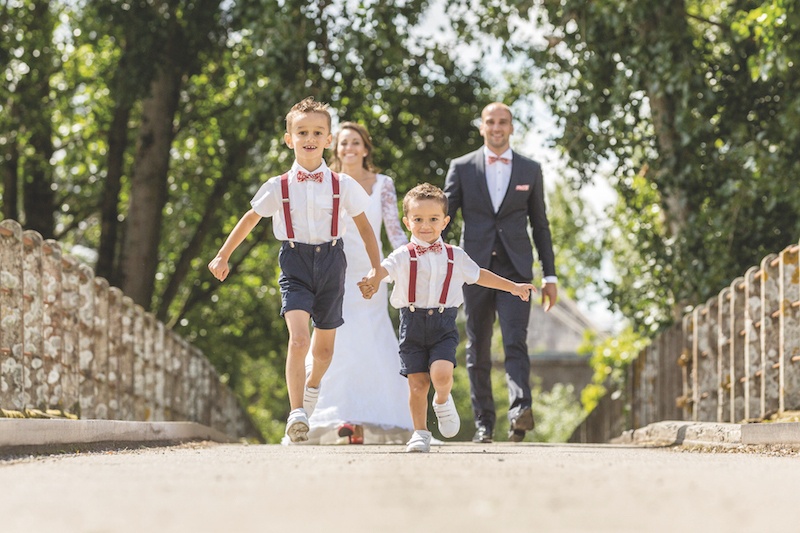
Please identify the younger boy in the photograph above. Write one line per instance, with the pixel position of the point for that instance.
(307, 205)
(428, 276)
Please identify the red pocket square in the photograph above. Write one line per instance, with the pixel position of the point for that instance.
(522, 187)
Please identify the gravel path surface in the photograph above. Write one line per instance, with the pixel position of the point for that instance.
(207, 487)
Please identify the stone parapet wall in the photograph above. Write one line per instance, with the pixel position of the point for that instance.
(733, 359)
(744, 359)
(655, 380)
(71, 344)
(653, 389)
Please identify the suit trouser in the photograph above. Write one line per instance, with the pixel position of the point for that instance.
(480, 306)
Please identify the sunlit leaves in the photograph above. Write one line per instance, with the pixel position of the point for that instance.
(702, 94)
(609, 360)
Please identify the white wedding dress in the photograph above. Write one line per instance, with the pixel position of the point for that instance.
(363, 385)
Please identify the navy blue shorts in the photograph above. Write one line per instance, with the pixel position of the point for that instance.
(426, 335)
(312, 280)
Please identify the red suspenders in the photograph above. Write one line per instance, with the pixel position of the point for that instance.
(412, 277)
(287, 215)
(335, 214)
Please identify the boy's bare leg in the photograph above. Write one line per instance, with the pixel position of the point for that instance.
(443, 404)
(299, 341)
(442, 378)
(322, 354)
(418, 385)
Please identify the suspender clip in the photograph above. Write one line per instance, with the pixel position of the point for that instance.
(441, 309)
(411, 308)
(334, 241)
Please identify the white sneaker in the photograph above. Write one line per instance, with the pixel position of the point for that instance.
(297, 426)
(446, 414)
(420, 441)
(310, 397)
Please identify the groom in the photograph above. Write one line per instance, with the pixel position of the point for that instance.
(498, 192)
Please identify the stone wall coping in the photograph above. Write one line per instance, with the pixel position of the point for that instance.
(42, 433)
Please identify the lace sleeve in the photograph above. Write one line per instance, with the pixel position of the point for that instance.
(391, 218)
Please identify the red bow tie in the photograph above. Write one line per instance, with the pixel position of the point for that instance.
(306, 176)
(435, 248)
(494, 159)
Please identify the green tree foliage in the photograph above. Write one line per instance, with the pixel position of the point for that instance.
(29, 61)
(690, 107)
(557, 413)
(610, 359)
(577, 241)
(165, 117)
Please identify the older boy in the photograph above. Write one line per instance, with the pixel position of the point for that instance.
(428, 276)
(308, 205)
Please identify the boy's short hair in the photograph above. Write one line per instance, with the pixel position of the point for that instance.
(307, 105)
(425, 191)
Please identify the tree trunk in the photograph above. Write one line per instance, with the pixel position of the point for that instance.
(11, 179)
(128, 85)
(673, 197)
(139, 258)
(662, 107)
(38, 195)
(109, 204)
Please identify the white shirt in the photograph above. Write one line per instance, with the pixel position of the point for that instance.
(311, 205)
(431, 273)
(498, 176)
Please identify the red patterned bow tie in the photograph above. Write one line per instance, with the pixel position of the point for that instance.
(306, 176)
(435, 248)
(494, 159)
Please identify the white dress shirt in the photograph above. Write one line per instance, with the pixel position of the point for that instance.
(311, 205)
(498, 176)
(431, 273)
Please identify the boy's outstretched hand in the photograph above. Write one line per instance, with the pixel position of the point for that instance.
(219, 267)
(523, 290)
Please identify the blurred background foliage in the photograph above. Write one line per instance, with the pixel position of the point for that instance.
(136, 131)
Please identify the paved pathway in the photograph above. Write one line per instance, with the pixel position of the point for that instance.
(461, 488)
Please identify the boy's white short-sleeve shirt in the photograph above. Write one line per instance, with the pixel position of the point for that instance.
(431, 273)
(311, 205)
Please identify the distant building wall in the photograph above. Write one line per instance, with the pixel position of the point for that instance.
(554, 338)
(566, 368)
(560, 330)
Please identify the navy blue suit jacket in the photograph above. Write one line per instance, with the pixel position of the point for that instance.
(466, 189)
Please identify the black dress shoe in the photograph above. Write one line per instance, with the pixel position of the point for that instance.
(524, 420)
(483, 435)
(516, 435)
(522, 423)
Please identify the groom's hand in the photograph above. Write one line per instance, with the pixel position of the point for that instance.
(549, 295)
